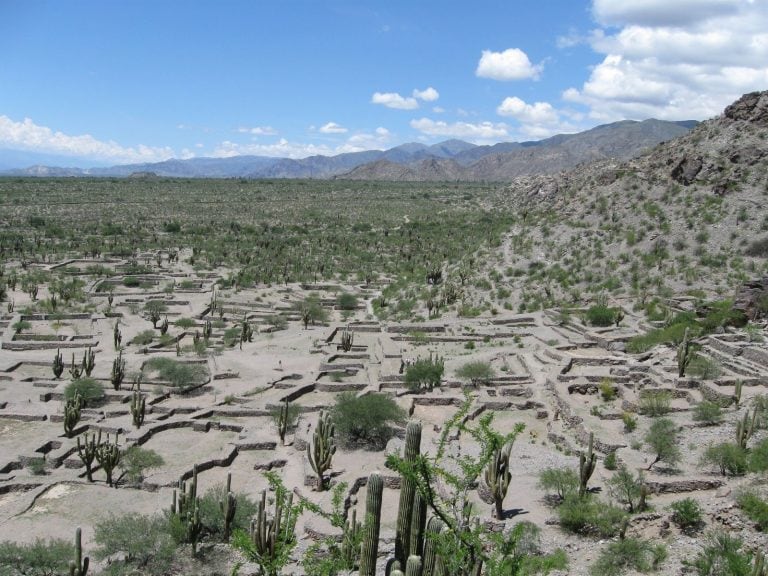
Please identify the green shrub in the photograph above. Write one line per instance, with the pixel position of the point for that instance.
(655, 403)
(212, 515)
(144, 542)
(626, 488)
(589, 515)
(686, 513)
(365, 421)
(630, 422)
(600, 315)
(136, 460)
(758, 456)
(90, 391)
(628, 554)
(704, 368)
(661, 438)
(721, 556)
(425, 373)
(731, 459)
(610, 461)
(607, 389)
(178, 374)
(185, 323)
(477, 372)
(346, 301)
(39, 559)
(754, 507)
(562, 481)
(708, 413)
(143, 338)
(131, 282)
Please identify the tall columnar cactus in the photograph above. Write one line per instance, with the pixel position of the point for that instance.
(497, 477)
(75, 370)
(586, 466)
(745, 428)
(369, 548)
(58, 364)
(347, 340)
(108, 456)
(118, 371)
(246, 332)
(138, 407)
(282, 421)
(79, 566)
(418, 520)
(207, 330)
(164, 326)
(737, 392)
(407, 492)
(117, 337)
(432, 563)
(320, 452)
(89, 361)
(72, 413)
(228, 507)
(684, 355)
(87, 451)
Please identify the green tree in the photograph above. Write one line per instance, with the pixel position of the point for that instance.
(627, 488)
(562, 481)
(365, 421)
(730, 459)
(662, 439)
(425, 373)
(477, 372)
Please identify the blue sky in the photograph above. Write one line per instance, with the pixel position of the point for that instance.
(103, 82)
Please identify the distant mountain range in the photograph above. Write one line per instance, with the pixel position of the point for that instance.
(448, 160)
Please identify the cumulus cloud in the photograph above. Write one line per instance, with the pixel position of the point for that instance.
(428, 95)
(26, 135)
(537, 120)
(483, 131)
(511, 64)
(258, 130)
(332, 128)
(661, 12)
(394, 100)
(674, 60)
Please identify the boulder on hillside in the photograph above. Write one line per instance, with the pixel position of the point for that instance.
(752, 107)
(686, 170)
(752, 298)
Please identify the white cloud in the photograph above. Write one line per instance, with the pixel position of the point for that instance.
(537, 120)
(661, 12)
(482, 131)
(686, 59)
(428, 95)
(394, 100)
(258, 130)
(438, 109)
(512, 64)
(26, 135)
(332, 128)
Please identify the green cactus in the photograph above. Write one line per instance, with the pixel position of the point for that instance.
(246, 332)
(117, 337)
(164, 326)
(586, 466)
(413, 566)
(758, 565)
(745, 428)
(418, 520)
(79, 566)
(273, 537)
(369, 548)
(431, 561)
(72, 413)
(75, 370)
(282, 421)
(87, 451)
(108, 456)
(138, 406)
(737, 392)
(407, 492)
(89, 361)
(350, 542)
(347, 340)
(118, 371)
(58, 365)
(684, 355)
(497, 477)
(228, 507)
(321, 451)
(207, 330)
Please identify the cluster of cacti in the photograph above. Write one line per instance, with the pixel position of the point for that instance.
(89, 361)
(117, 337)
(246, 333)
(138, 406)
(271, 536)
(72, 408)
(320, 452)
(75, 370)
(587, 464)
(434, 276)
(498, 476)
(110, 300)
(53, 302)
(207, 330)
(108, 456)
(58, 364)
(745, 428)
(306, 316)
(347, 340)
(369, 548)
(79, 566)
(684, 355)
(164, 326)
(350, 544)
(118, 371)
(186, 508)
(87, 451)
(228, 507)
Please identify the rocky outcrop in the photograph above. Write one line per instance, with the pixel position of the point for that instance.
(752, 107)
(686, 170)
(749, 297)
